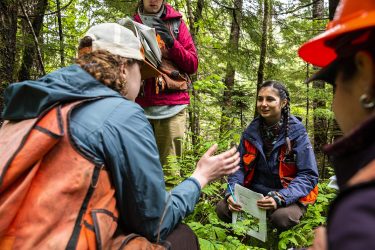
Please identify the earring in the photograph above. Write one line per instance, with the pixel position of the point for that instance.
(366, 102)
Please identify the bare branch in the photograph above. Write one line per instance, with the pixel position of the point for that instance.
(35, 38)
(224, 6)
(296, 9)
(50, 13)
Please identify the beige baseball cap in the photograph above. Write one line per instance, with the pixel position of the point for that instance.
(121, 41)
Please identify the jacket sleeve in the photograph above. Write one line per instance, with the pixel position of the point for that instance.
(145, 206)
(307, 172)
(183, 52)
(238, 176)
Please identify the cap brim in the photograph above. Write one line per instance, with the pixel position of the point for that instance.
(326, 74)
(316, 50)
(149, 71)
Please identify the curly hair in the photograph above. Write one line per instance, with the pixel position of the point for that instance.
(104, 66)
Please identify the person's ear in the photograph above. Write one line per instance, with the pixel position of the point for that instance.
(366, 71)
(123, 73)
(284, 103)
(122, 68)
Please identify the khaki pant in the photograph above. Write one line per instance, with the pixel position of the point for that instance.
(169, 133)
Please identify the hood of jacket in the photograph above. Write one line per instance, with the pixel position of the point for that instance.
(28, 99)
(170, 12)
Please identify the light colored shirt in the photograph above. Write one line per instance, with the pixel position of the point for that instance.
(163, 112)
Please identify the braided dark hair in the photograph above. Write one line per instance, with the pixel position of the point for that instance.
(284, 95)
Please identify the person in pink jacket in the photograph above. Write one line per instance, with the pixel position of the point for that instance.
(166, 109)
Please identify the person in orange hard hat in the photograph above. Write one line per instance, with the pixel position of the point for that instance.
(346, 53)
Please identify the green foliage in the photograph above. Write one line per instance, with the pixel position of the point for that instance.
(302, 234)
(215, 234)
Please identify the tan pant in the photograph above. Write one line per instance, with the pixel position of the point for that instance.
(169, 133)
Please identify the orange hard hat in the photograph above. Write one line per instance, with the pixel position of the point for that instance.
(350, 15)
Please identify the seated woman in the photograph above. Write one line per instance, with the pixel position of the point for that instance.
(277, 160)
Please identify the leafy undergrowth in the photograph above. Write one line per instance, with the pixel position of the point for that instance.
(215, 234)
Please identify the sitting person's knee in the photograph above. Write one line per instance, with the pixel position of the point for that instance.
(223, 211)
(183, 238)
(282, 222)
(286, 217)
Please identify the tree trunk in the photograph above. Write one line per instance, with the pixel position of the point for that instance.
(307, 97)
(336, 131)
(332, 8)
(194, 18)
(36, 10)
(61, 36)
(8, 30)
(320, 122)
(230, 71)
(263, 46)
(194, 106)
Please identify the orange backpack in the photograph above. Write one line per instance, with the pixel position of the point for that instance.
(51, 195)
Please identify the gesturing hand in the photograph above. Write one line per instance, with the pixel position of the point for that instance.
(211, 167)
(163, 30)
(267, 203)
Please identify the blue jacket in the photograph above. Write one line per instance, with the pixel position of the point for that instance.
(115, 132)
(266, 177)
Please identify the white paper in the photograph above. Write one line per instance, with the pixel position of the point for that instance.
(147, 36)
(248, 199)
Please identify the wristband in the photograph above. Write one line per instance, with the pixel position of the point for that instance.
(278, 198)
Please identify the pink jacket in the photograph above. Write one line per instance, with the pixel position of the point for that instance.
(183, 54)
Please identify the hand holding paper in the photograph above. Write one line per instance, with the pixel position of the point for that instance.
(248, 200)
(267, 203)
(232, 205)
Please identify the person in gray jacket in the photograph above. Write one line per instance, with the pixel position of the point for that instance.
(113, 130)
